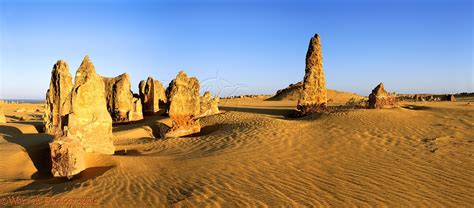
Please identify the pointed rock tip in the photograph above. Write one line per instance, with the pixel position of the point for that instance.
(86, 60)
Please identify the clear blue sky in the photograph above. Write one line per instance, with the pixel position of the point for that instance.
(241, 47)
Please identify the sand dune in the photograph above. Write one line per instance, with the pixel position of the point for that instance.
(420, 154)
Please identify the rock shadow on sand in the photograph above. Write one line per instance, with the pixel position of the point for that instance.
(416, 107)
(36, 145)
(263, 111)
(54, 185)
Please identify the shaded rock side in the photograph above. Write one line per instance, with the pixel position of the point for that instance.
(160, 93)
(136, 113)
(67, 157)
(209, 105)
(89, 120)
(151, 92)
(314, 93)
(57, 98)
(120, 101)
(379, 98)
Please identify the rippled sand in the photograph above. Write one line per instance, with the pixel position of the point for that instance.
(420, 154)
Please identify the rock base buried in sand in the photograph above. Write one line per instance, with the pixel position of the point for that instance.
(67, 157)
(183, 126)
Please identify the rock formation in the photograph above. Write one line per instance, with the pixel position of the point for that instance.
(379, 98)
(137, 111)
(160, 93)
(209, 105)
(2, 113)
(451, 98)
(314, 94)
(152, 93)
(67, 157)
(89, 120)
(183, 98)
(120, 101)
(57, 98)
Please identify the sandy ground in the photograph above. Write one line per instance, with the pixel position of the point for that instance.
(420, 154)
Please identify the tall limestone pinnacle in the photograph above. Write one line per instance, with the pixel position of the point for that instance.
(314, 94)
(89, 120)
(57, 103)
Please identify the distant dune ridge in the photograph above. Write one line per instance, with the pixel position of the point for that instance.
(293, 92)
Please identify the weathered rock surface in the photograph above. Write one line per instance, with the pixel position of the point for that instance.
(120, 101)
(160, 93)
(57, 98)
(209, 105)
(137, 111)
(89, 120)
(379, 98)
(152, 93)
(67, 157)
(314, 94)
(2, 113)
(184, 100)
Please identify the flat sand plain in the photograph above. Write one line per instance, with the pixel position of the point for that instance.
(252, 154)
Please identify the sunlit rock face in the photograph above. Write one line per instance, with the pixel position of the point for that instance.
(314, 93)
(67, 157)
(184, 100)
(89, 120)
(121, 104)
(2, 113)
(57, 98)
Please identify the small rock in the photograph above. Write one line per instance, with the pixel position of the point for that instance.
(379, 98)
(67, 157)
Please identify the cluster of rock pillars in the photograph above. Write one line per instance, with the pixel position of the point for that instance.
(80, 114)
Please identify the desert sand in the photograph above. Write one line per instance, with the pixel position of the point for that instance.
(252, 154)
